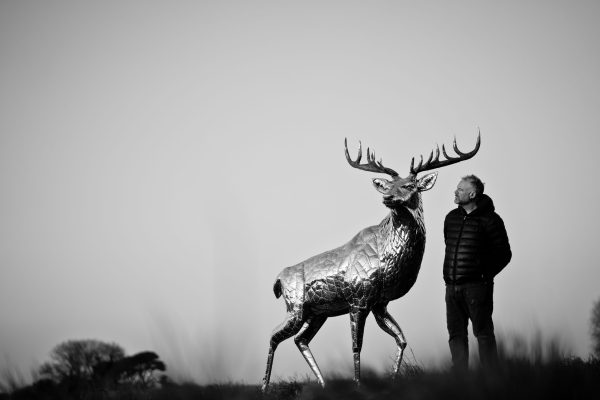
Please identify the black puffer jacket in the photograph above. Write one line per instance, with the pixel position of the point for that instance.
(477, 247)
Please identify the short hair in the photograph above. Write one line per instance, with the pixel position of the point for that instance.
(476, 182)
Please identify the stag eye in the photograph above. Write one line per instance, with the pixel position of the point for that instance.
(409, 186)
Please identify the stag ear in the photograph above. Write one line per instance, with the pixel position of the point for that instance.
(426, 182)
(382, 185)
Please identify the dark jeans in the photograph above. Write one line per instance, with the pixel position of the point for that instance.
(475, 302)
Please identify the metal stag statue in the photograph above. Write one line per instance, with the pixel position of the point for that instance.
(378, 265)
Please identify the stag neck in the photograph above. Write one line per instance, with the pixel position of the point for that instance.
(412, 212)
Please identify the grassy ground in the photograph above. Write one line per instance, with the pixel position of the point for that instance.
(538, 369)
(514, 379)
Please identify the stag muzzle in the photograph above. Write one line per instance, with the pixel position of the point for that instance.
(388, 200)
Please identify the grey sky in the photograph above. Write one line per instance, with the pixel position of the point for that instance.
(161, 162)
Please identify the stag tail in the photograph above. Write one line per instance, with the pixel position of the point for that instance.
(277, 288)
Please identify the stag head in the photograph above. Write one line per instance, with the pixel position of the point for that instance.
(402, 192)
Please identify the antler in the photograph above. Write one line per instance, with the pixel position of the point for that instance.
(434, 162)
(372, 165)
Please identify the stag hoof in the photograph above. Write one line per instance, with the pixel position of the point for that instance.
(265, 387)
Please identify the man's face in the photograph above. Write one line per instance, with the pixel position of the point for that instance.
(464, 193)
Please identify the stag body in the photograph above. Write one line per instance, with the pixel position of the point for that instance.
(381, 263)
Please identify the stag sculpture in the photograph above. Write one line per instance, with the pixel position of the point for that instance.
(378, 265)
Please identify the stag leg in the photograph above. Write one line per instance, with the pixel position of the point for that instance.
(308, 331)
(358, 316)
(288, 328)
(391, 327)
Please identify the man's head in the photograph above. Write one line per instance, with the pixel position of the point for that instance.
(468, 190)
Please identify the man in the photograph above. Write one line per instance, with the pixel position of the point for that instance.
(477, 249)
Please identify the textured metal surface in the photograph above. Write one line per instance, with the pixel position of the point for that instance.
(379, 264)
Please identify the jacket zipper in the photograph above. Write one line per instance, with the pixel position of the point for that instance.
(456, 249)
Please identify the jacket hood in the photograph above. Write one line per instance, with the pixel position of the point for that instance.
(485, 204)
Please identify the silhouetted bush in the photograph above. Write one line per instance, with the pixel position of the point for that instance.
(595, 328)
(90, 369)
(136, 370)
(74, 360)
